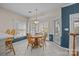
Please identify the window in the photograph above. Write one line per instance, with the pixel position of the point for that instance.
(21, 28)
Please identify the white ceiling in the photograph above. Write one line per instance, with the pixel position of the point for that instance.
(23, 8)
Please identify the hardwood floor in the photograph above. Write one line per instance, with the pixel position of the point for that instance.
(21, 50)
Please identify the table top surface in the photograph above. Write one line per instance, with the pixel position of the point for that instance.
(36, 36)
(74, 33)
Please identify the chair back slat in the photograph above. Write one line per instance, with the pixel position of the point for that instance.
(44, 37)
(13, 32)
(8, 31)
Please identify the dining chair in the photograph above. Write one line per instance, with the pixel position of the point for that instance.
(8, 41)
(9, 45)
(30, 41)
(44, 40)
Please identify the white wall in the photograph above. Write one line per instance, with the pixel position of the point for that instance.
(56, 16)
(8, 20)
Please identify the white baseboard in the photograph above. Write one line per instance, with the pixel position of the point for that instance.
(61, 47)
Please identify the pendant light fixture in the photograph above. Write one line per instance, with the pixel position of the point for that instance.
(36, 19)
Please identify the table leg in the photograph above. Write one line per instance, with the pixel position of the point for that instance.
(73, 52)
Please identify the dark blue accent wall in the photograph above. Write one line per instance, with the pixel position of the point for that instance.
(66, 11)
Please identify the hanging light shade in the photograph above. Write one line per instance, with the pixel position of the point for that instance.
(36, 20)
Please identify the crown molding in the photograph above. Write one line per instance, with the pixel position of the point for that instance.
(68, 5)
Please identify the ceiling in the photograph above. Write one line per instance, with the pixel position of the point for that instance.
(24, 8)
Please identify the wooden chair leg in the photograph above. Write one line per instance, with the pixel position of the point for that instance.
(27, 46)
(32, 47)
(9, 46)
(13, 50)
(45, 44)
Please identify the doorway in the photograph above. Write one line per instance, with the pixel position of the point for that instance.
(57, 31)
(74, 28)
